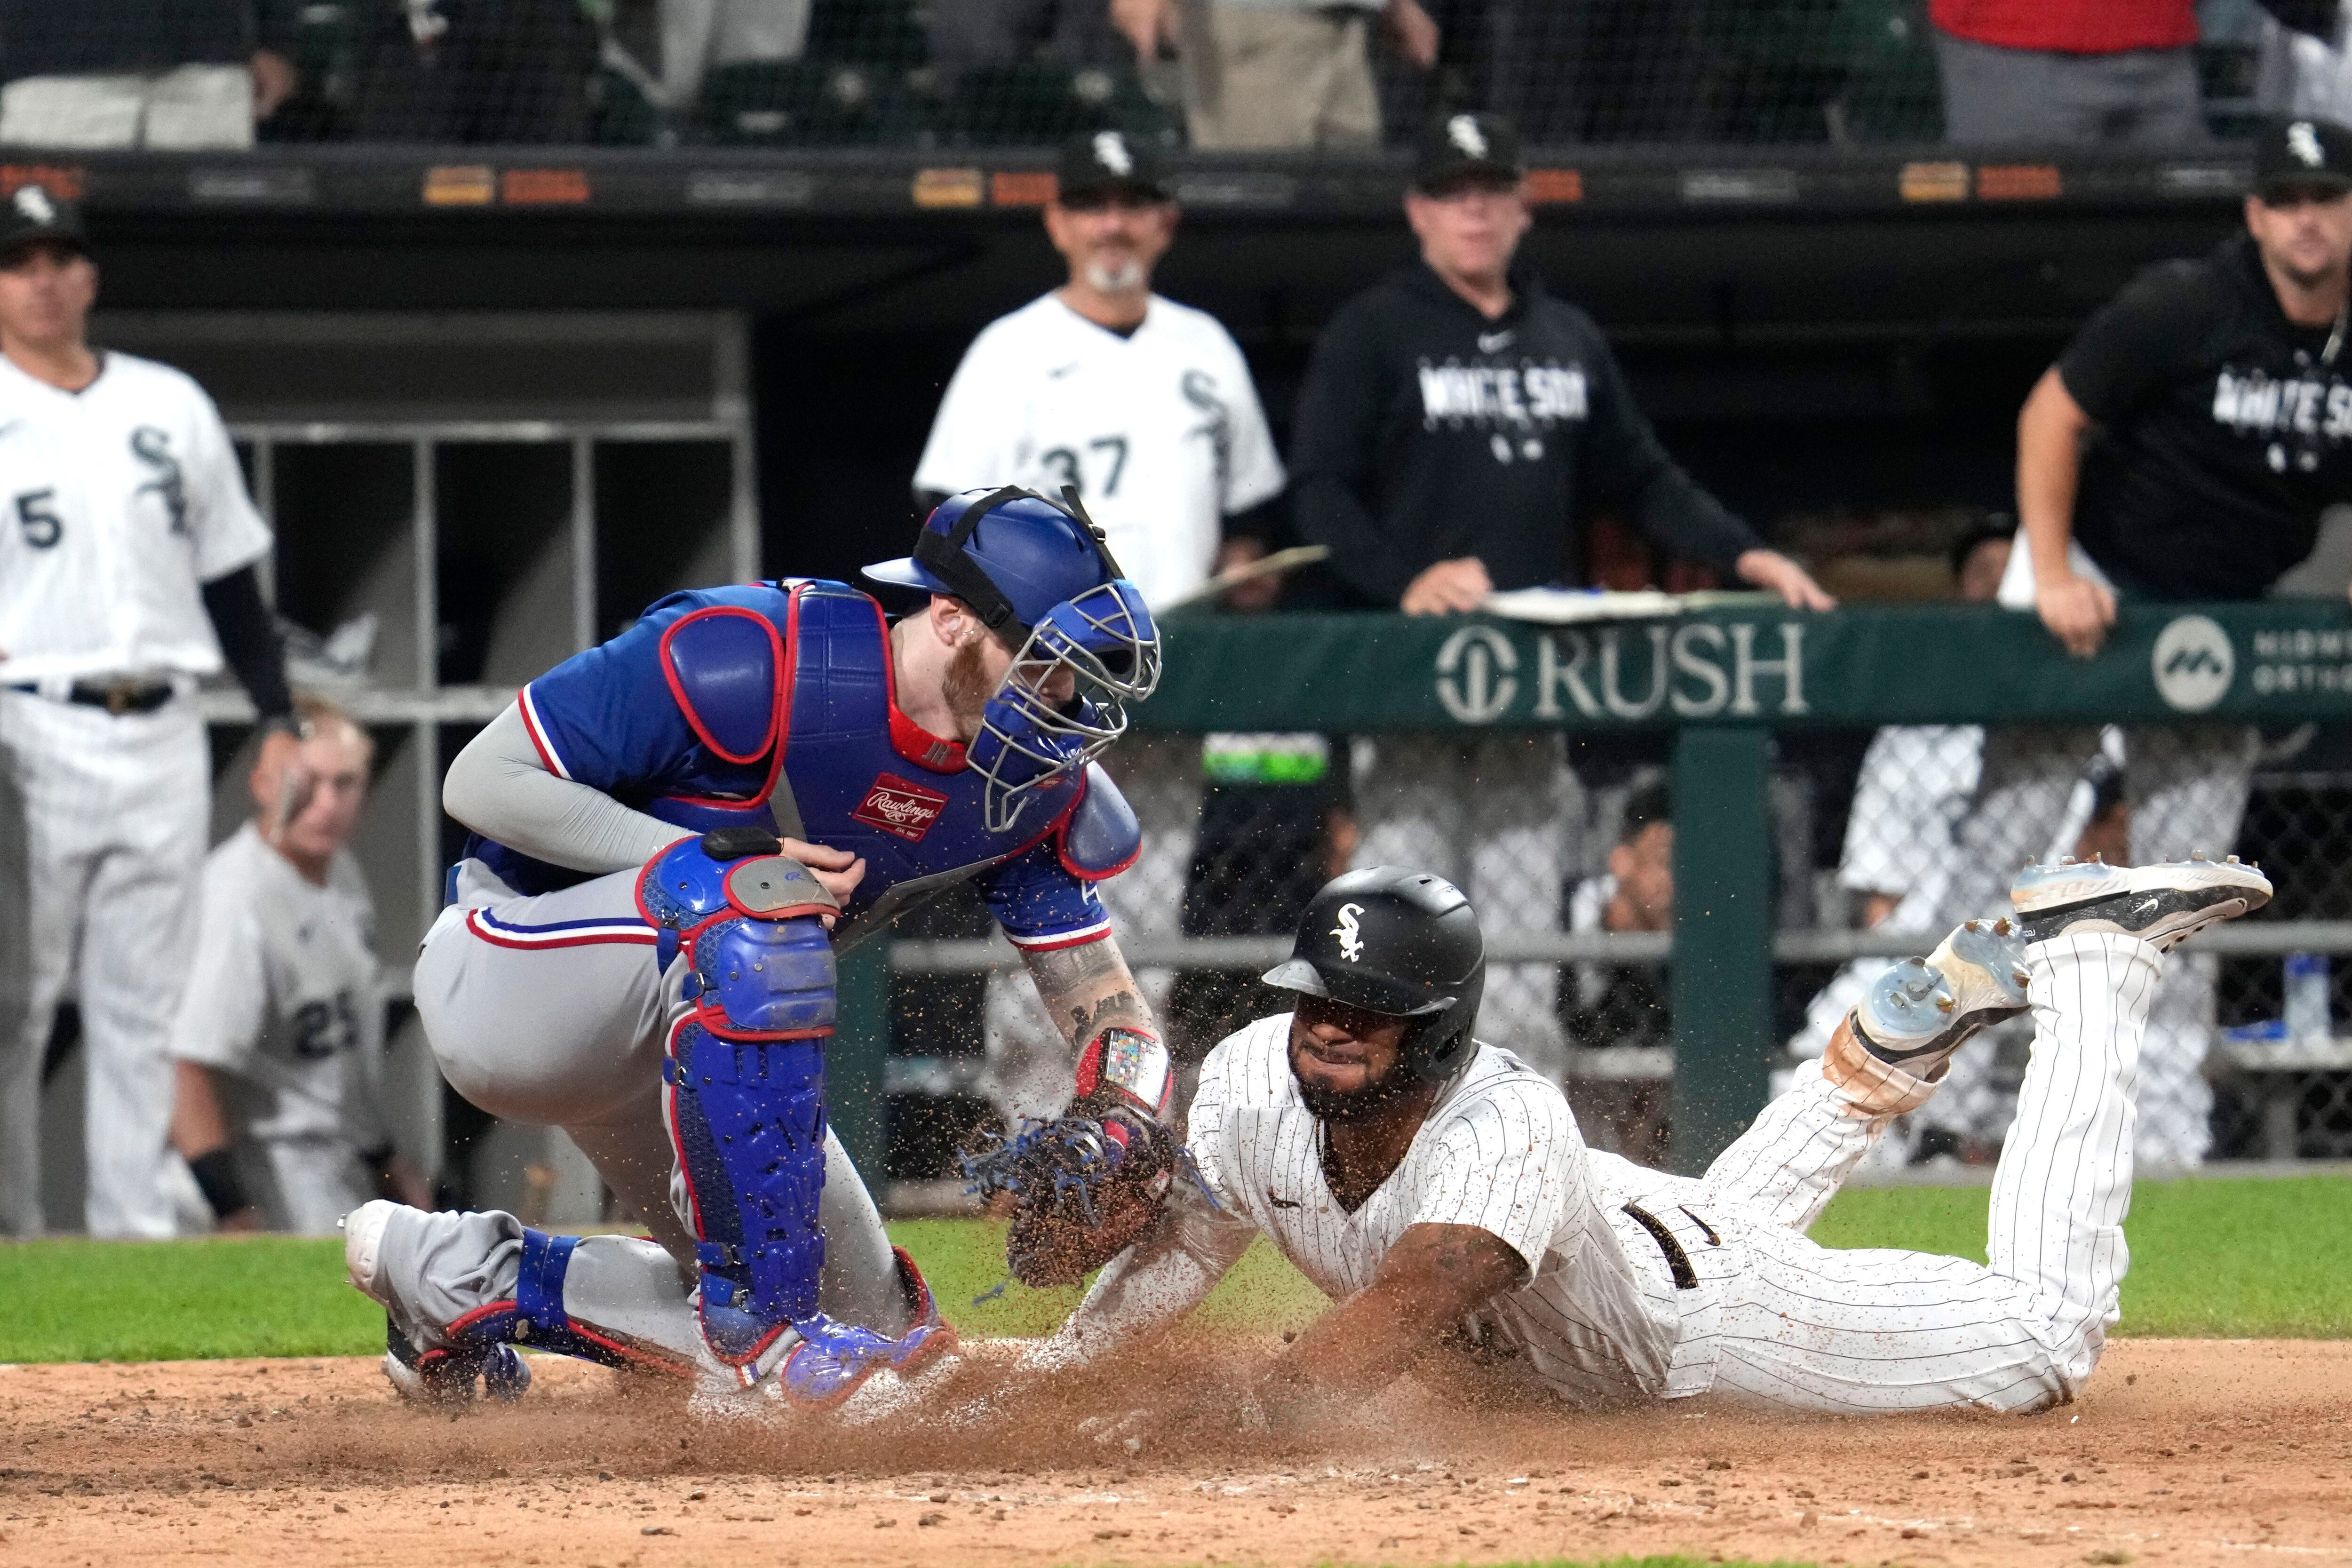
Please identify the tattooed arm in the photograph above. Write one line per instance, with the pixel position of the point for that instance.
(1433, 1277)
(1093, 1000)
(1087, 989)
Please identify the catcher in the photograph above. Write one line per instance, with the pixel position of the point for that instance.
(673, 833)
(1436, 1189)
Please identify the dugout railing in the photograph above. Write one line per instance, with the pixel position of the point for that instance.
(1750, 715)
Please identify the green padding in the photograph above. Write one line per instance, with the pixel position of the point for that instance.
(1956, 664)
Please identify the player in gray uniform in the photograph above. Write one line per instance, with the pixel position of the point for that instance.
(279, 1036)
(1437, 1189)
(128, 549)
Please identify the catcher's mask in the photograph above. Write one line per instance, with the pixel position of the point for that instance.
(1402, 944)
(1041, 579)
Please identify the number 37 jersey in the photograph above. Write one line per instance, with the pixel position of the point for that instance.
(117, 503)
(1160, 431)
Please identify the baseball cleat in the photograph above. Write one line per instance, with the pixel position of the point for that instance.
(421, 1375)
(2163, 905)
(1922, 1010)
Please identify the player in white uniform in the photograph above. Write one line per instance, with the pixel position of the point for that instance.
(279, 1038)
(1145, 407)
(1436, 1188)
(127, 555)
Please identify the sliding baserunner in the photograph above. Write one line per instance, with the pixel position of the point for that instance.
(1438, 1190)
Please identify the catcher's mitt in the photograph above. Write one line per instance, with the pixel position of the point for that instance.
(1084, 1187)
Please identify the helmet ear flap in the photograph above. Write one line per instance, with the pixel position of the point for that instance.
(1439, 1047)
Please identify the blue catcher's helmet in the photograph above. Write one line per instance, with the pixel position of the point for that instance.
(1039, 576)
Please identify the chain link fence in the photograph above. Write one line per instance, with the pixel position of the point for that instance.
(1883, 840)
(975, 73)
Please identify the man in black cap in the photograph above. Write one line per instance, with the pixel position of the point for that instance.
(1456, 424)
(128, 572)
(2182, 448)
(1147, 408)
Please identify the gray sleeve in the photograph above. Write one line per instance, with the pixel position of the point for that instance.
(498, 787)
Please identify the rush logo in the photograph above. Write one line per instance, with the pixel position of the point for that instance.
(896, 805)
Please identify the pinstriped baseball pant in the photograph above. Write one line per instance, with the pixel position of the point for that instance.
(1782, 1322)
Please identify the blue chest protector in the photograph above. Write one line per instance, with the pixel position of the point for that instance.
(786, 689)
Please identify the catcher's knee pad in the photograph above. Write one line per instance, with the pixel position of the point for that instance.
(751, 926)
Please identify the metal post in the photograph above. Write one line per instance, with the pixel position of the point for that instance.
(1722, 965)
(853, 1057)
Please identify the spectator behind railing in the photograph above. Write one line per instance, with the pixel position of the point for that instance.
(666, 48)
(1278, 73)
(1622, 1008)
(1456, 422)
(139, 73)
(2054, 73)
(481, 70)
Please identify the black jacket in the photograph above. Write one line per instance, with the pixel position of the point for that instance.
(1426, 432)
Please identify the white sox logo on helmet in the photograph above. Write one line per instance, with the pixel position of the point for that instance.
(34, 203)
(1464, 133)
(2304, 142)
(1351, 940)
(1111, 151)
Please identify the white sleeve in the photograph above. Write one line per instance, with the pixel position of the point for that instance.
(1509, 1162)
(1254, 473)
(228, 532)
(972, 440)
(1201, 1235)
(226, 999)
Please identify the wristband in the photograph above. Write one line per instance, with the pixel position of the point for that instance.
(216, 1177)
(1130, 1063)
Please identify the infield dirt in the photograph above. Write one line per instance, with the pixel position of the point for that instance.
(2182, 1452)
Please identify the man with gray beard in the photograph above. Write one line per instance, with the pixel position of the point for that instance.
(1146, 408)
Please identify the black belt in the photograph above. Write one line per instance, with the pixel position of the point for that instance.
(1678, 1262)
(117, 698)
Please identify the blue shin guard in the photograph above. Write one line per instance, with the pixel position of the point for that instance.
(746, 1075)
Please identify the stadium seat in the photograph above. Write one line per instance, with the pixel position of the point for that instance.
(807, 102)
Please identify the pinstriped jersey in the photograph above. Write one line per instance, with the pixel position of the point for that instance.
(116, 503)
(1499, 1151)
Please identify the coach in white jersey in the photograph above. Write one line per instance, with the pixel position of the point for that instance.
(279, 1037)
(1145, 407)
(1438, 1191)
(127, 555)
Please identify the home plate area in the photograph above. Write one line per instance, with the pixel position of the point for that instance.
(2181, 1452)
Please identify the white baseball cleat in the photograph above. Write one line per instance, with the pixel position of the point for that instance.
(422, 1375)
(2163, 905)
(1922, 1010)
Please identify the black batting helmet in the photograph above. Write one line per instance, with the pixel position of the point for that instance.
(1404, 944)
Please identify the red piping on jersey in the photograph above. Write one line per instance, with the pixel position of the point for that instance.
(677, 1140)
(1055, 944)
(539, 741)
(678, 688)
(474, 924)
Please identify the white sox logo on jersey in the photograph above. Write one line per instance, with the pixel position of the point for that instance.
(1350, 935)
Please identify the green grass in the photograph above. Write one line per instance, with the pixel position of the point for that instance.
(2231, 1258)
(2217, 1256)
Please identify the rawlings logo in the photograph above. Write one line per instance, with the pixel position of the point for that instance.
(899, 807)
(1351, 940)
